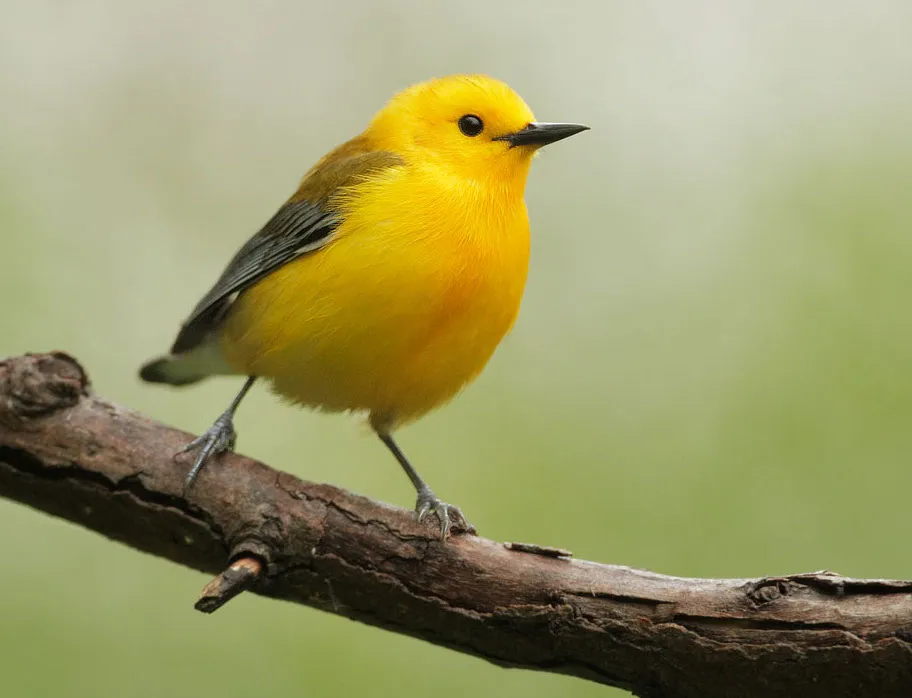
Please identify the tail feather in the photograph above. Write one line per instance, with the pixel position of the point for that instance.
(162, 370)
(185, 369)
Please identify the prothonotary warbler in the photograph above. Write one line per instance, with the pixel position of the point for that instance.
(388, 279)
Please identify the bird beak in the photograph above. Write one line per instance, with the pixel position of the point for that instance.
(539, 133)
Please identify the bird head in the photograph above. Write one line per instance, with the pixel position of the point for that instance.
(468, 126)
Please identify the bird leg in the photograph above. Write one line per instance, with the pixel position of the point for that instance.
(218, 438)
(447, 514)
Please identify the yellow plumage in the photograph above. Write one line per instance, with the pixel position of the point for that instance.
(412, 253)
(439, 282)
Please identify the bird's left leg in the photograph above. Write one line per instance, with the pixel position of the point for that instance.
(218, 438)
(447, 514)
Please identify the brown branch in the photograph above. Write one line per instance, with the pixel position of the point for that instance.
(72, 454)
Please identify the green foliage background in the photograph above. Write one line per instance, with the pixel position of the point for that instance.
(712, 371)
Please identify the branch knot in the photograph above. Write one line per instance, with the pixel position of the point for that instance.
(37, 384)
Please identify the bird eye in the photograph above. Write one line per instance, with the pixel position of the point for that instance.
(471, 125)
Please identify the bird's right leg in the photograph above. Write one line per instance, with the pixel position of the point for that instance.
(218, 438)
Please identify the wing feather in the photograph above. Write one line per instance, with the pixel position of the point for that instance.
(304, 224)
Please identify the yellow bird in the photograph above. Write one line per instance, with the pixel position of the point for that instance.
(388, 279)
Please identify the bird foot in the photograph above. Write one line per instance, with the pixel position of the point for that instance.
(218, 438)
(448, 515)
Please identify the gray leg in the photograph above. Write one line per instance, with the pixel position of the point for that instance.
(447, 514)
(218, 438)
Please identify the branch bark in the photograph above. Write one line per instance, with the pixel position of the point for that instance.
(72, 454)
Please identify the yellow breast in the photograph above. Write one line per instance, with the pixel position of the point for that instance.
(404, 307)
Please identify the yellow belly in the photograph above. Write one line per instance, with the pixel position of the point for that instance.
(394, 316)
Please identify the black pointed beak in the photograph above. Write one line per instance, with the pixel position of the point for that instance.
(539, 133)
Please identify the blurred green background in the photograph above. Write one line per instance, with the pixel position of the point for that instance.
(711, 375)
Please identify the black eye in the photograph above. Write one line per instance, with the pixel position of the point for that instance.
(471, 125)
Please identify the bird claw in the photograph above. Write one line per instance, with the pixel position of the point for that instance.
(218, 438)
(448, 515)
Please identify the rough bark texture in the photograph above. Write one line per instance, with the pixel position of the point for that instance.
(69, 453)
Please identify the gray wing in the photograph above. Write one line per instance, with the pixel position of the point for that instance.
(297, 228)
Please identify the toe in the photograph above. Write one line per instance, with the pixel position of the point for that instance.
(197, 467)
(444, 517)
(459, 520)
(196, 443)
(425, 503)
(422, 510)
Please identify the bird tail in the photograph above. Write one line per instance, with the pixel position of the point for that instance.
(186, 368)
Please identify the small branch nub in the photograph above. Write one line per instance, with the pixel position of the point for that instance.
(240, 576)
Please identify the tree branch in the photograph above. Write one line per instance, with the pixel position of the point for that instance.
(74, 455)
